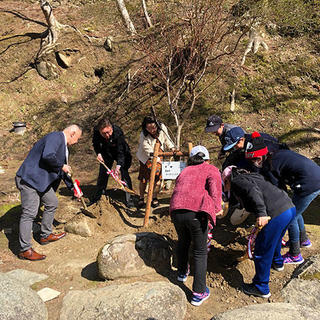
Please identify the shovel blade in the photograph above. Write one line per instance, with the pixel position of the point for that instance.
(88, 213)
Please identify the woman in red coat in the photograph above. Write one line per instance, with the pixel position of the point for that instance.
(195, 199)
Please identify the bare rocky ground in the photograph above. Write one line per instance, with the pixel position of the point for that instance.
(70, 262)
(49, 105)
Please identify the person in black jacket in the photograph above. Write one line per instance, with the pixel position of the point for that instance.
(236, 142)
(110, 145)
(286, 167)
(220, 129)
(274, 211)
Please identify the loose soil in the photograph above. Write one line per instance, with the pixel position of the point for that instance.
(80, 96)
(71, 262)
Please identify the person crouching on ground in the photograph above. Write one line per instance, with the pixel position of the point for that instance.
(37, 179)
(196, 198)
(220, 129)
(274, 211)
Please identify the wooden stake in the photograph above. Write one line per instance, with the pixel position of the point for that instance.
(151, 183)
(189, 147)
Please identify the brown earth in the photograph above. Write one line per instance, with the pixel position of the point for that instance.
(70, 262)
(79, 95)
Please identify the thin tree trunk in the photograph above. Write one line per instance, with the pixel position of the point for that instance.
(232, 100)
(125, 16)
(145, 12)
(179, 129)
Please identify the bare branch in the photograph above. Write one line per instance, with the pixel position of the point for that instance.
(145, 12)
(126, 17)
(187, 43)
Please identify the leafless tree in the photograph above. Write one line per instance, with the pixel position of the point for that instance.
(255, 41)
(190, 41)
(54, 26)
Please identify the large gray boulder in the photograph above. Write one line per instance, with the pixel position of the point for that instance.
(303, 292)
(134, 255)
(135, 301)
(18, 301)
(270, 311)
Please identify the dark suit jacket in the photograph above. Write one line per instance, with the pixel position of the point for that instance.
(42, 167)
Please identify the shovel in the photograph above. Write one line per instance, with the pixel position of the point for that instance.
(118, 181)
(84, 210)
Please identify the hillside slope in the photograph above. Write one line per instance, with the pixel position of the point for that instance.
(277, 91)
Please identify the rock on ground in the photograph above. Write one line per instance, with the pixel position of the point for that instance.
(26, 277)
(310, 269)
(303, 292)
(18, 301)
(135, 301)
(81, 225)
(134, 255)
(270, 311)
(304, 288)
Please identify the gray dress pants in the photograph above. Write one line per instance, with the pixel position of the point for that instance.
(30, 203)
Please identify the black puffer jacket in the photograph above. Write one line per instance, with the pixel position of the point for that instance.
(259, 196)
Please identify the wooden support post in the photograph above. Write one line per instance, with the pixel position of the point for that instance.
(151, 183)
(189, 147)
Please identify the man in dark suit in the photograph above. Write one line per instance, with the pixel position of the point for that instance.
(38, 179)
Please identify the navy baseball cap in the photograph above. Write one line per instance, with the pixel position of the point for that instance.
(213, 123)
(232, 137)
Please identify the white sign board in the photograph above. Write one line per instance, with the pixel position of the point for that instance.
(171, 169)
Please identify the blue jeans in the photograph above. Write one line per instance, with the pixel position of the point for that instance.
(268, 247)
(296, 227)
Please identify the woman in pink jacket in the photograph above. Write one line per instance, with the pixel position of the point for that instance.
(195, 199)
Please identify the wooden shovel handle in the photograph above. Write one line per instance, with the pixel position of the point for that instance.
(122, 186)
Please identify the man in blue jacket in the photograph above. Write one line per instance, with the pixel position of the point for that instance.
(38, 179)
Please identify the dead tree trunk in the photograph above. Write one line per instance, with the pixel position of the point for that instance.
(48, 43)
(232, 100)
(255, 40)
(125, 16)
